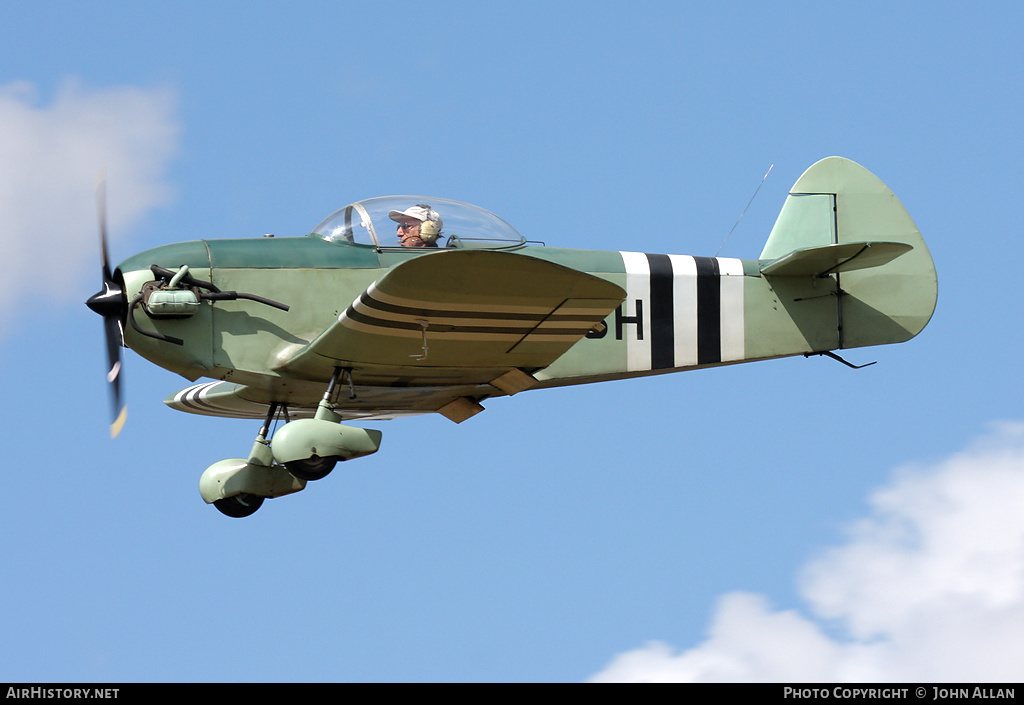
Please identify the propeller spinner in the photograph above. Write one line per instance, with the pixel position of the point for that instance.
(111, 303)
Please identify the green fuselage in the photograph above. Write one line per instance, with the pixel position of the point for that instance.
(680, 312)
(844, 267)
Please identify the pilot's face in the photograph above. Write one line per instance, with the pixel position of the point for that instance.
(409, 234)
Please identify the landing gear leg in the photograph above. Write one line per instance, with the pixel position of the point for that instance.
(260, 452)
(310, 448)
(316, 467)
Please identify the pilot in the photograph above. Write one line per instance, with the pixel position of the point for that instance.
(418, 226)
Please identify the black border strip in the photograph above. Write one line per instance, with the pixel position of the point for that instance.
(663, 339)
(709, 311)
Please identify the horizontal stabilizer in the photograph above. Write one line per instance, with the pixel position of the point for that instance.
(829, 259)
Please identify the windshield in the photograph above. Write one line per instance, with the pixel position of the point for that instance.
(417, 221)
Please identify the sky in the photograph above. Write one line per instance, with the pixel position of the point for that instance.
(792, 520)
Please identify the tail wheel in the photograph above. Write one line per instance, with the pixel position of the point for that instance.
(240, 505)
(309, 469)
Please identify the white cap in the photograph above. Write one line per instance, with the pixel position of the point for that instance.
(421, 212)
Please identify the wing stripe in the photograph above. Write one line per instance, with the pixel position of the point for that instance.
(376, 312)
(193, 397)
(489, 308)
(444, 330)
(391, 311)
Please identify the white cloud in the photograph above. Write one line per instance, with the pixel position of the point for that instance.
(50, 156)
(928, 587)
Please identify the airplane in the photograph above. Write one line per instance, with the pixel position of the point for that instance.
(346, 324)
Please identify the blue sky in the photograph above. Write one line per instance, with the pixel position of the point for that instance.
(785, 520)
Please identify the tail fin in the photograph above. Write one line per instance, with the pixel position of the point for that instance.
(841, 223)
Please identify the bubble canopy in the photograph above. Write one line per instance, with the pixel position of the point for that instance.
(463, 225)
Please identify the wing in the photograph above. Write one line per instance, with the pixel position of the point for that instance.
(438, 332)
(461, 315)
(237, 401)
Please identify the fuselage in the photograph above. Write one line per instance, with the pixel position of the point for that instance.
(844, 267)
(680, 312)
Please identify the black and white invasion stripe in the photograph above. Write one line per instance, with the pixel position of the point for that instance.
(681, 311)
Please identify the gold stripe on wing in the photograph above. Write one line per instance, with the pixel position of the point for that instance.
(355, 321)
(379, 295)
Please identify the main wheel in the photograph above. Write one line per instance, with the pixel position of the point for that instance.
(309, 469)
(240, 505)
